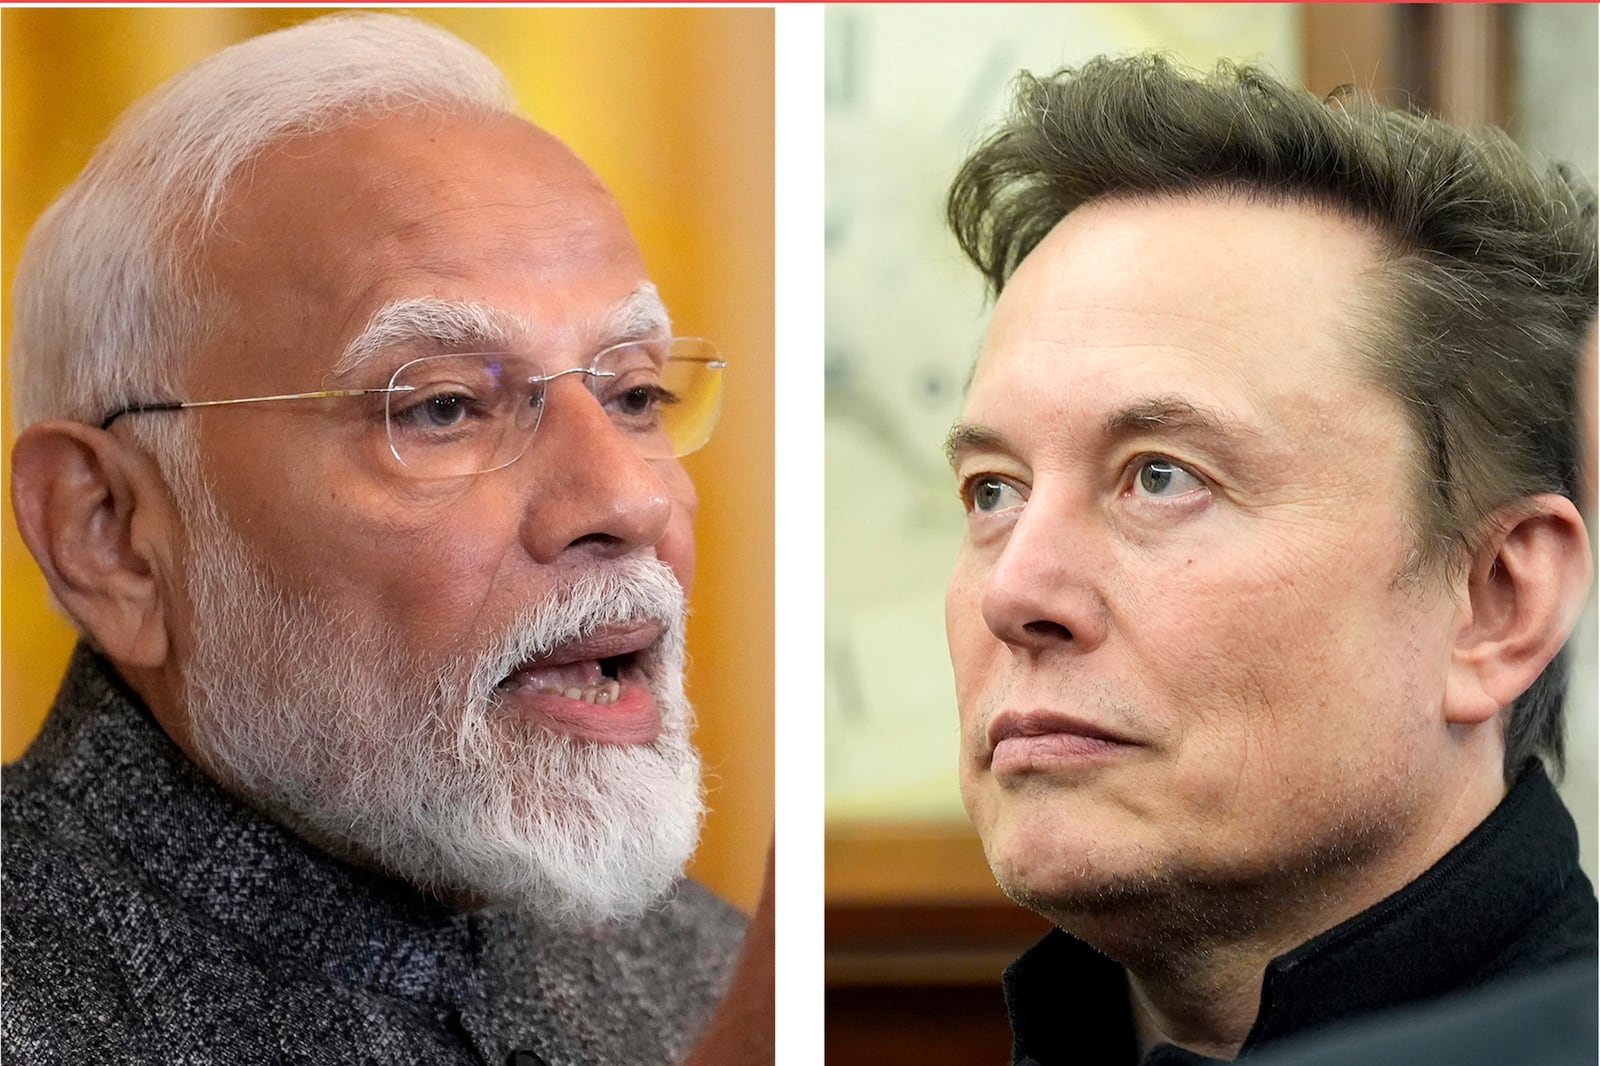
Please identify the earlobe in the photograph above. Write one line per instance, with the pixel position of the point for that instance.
(94, 513)
(1524, 591)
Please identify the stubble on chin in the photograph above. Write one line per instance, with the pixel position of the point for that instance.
(1163, 911)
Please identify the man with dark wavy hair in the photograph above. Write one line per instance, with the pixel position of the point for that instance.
(1269, 461)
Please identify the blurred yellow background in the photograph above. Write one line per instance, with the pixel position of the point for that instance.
(674, 110)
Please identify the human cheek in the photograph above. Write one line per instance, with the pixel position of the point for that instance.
(971, 649)
(676, 546)
(450, 582)
(972, 646)
(1252, 674)
(1192, 616)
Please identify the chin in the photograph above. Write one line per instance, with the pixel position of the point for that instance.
(1095, 869)
(1034, 868)
(1046, 850)
(1120, 898)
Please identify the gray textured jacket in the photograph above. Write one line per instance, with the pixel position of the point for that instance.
(151, 918)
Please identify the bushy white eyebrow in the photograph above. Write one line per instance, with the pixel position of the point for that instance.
(639, 314)
(458, 324)
(465, 325)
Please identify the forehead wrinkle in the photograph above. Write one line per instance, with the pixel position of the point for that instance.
(459, 324)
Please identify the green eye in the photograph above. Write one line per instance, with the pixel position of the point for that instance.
(1163, 477)
(989, 495)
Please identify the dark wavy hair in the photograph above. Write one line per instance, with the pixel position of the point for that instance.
(1485, 285)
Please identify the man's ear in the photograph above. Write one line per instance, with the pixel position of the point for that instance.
(96, 515)
(1524, 591)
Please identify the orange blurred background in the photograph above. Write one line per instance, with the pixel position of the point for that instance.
(674, 110)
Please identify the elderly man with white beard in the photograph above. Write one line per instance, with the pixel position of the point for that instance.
(350, 426)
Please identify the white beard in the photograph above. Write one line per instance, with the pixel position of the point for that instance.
(321, 720)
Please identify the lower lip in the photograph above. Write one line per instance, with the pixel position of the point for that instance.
(633, 719)
(1048, 752)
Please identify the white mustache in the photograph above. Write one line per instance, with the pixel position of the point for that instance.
(619, 592)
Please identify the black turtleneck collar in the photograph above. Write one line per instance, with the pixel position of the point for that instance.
(1508, 900)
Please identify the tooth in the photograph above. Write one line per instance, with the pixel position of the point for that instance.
(573, 693)
(550, 690)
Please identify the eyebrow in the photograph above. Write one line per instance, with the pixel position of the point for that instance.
(639, 314)
(465, 325)
(965, 438)
(431, 320)
(1174, 414)
(1158, 414)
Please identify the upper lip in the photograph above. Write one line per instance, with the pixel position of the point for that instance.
(1008, 724)
(607, 642)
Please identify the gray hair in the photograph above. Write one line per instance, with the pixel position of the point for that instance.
(108, 305)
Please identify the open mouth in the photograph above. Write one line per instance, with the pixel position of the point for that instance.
(596, 688)
(594, 669)
(597, 681)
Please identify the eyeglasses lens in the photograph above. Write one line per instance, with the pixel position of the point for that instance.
(453, 415)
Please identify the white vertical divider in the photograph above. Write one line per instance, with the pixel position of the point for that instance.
(797, 491)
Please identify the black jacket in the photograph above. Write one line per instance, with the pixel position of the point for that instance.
(1509, 901)
(152, 918)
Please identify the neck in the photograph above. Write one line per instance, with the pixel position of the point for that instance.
(1200, 987)
(1208, 1011)
(1196, 957)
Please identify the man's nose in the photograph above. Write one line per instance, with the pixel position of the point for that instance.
(595, 494)
(1043, 593)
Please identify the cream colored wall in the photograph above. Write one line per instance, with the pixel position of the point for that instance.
(674, 109)
(1555, 98)
(910, 88)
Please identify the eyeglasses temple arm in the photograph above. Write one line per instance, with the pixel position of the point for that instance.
(180, 405)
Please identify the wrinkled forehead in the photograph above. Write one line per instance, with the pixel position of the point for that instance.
(475, 231)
